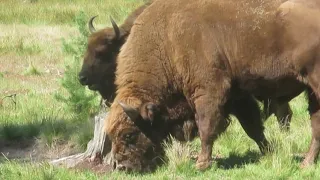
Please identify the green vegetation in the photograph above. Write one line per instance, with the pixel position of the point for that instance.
(57, 12)
(32, 70)
(80, 101)
(18, 46)
(41, 46)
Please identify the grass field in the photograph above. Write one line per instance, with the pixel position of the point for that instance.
(35, 126)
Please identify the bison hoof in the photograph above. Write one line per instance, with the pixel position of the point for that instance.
(266, 149)
(203, 165)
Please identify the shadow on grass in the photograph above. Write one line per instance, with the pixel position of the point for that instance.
(237, 161)
(17, 150)
(22, 132)
(18, 141)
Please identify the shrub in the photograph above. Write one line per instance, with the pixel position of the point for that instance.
(78, 99)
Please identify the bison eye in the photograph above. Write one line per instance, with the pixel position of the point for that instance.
(130, 138)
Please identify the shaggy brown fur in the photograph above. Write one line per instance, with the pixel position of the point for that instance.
(265, 48)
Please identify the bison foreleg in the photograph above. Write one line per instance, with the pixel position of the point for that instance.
(210, 117)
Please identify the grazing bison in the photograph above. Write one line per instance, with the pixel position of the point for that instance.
(98, 73)
(201, 51)
(182, 126)
(100, 62)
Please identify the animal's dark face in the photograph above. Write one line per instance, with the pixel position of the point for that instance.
(99, 64)
(136, 138)
(132, 150)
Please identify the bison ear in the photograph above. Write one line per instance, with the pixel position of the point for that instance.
(130, 111)
(149, 111)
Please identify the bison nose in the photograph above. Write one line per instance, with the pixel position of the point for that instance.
(83, 79)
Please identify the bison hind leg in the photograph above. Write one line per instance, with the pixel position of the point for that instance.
(314, 110)
(284, 115)
(281, 110)
(313, 77)
(247, 111)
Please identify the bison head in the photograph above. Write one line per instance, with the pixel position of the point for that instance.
(100, 59)
(136, 135)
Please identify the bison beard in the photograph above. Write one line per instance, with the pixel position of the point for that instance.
(158, 62)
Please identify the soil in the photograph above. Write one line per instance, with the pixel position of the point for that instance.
(30, 151)
(19, 150)
(94, 166)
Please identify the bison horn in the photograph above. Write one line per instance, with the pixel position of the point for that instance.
(130, 111)
(91, 28)
(115, 27)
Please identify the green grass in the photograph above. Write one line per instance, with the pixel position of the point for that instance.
(238, 157)
(32, 70)
(53, 12)
(18, 46)
(32, 62)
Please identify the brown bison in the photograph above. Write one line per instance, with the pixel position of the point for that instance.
(99, 67)
(182, 124)
(180, 117)
(184, 127)
(210, 53)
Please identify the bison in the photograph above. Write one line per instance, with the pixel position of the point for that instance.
(181, 130)
(200, 51)
(99, 67)
(98, 72)
(182, 124)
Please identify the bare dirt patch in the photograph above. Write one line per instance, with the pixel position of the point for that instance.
(32, 151)
(94, 166)
(19, 150)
